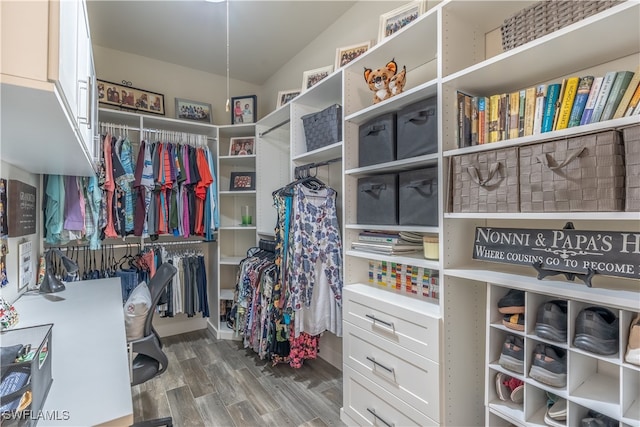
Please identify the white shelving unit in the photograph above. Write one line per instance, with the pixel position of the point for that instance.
(233, 238)
(448, 49)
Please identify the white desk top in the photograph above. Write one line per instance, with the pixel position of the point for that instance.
(90, 368)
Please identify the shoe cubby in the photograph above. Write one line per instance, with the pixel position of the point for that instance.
(606, 384)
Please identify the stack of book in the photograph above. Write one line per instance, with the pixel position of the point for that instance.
(575, 101)
(388, 242)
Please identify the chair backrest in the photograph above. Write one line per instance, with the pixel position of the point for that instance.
(157, 285)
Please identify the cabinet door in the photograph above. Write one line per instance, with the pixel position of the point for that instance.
(67, 35)
(85, 85)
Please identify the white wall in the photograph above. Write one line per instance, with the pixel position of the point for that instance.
(171, 80)
(10, 292)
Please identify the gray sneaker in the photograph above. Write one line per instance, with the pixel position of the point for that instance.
(551, 323)
(512, 356)
(597, 331)
(549, 365)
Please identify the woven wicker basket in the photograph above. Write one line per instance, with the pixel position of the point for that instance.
(631, 138)
(486, 181)
(584, 173)
(323, 128)
(547, 16)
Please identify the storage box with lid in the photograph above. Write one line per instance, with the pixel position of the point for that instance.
(377, 140)
(418, 197)
(580, 174)
(323, 128)
(36, 368)
(417, 126)
(378, 199)
(486, 181)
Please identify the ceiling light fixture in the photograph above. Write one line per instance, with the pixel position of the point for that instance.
(227, 105)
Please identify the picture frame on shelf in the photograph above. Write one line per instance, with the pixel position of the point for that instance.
(193, 110)
(244, 109)
(242, 181)
(284, 96)
(312, 77)
(346, 54)
(242, 146)
(395, 20)
(126, 96)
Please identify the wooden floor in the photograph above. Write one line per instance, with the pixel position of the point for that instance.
(213, 382)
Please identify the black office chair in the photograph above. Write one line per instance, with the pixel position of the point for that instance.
(150, 360)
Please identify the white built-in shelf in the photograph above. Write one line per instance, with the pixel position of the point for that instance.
(631, 415)
(323, 93)
(276, 119)
(151, 122)
(395, 103)
(621, 293)
(548, 136)
(238, 227)
(395, 166)
(550, 56)
(413, 228)
(232, 131)
(416, 259)
(126, 118)
(243, 161)
(417, 303)
(236, 193)
(226, 294)
(569, 216)
(231, 260)
(226, 333)
(322, 154)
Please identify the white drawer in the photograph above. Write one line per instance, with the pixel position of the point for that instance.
(363, 399)
(406, 321)
(414, 379)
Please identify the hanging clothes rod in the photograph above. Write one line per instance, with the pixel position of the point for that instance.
(271, 129)
(133, 244)
(310, 166)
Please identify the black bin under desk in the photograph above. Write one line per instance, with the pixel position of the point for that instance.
(378, 200)
(418, 197)
(417, 126)
(377, 140)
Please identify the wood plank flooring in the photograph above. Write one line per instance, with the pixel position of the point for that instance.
(214, 383)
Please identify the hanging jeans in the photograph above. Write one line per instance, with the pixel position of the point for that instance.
(128, 281)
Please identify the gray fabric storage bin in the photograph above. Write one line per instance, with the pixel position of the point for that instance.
(378, 200)
(377, 140)
(418, 197)
(417, 126)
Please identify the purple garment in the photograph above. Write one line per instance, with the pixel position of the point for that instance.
(74, 220)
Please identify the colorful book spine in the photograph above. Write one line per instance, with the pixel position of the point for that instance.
(617, 92)
(591, 101)
(567, 102)
(529, 110)
(503, 112)
(521, 105)
(467, 121)
(628, 94)
(584, 88)
(635, 101)
(474, 120)
(541, 94)
(514, 111)
(605, 90)
(482, 120)
(563, 85)
(494, 107)
(553, 91)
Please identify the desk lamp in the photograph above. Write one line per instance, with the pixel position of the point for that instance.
(51, 283)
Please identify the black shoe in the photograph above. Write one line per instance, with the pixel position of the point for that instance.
(514, 321)
(597, 331)
(512, 356)
(596, 419)
(551, 323)
(512, 302)
(549, 365)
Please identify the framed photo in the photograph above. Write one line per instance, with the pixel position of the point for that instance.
(392, 22)
(284, 96)
(312, 77)
(344, 55)
(242, 181)
(124, 96)
(242, 146)
(244, 109)
(193, 110)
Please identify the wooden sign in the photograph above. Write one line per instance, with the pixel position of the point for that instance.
(22, 209)
(611, 253)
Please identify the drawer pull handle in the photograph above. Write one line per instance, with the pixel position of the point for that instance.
(375, 319)
(375, 362)
(385, 422)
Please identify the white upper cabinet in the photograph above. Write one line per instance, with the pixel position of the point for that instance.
(48, 87)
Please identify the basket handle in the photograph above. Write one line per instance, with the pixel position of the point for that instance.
(475, 175)
(373, 187)
(376, 128)
(420, 116)
(549, 161)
